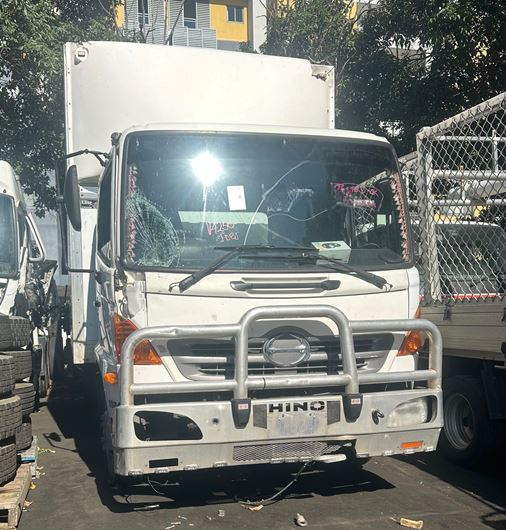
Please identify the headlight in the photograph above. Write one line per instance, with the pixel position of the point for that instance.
(411, 412)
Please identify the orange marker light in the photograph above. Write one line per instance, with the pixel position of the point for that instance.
(144, 353)
(413, 341)
(111, 378)
(411, 445)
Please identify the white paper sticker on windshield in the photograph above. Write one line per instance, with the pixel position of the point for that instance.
(236, 198)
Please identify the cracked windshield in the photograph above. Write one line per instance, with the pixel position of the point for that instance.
(8, 258)
(191, 197)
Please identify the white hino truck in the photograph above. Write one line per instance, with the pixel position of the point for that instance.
(242, 273)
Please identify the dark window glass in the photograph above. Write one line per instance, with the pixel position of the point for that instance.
(143, 11)
(190, 193)
(104, 216)
(190, 14)
(8, 239)
(235, 13)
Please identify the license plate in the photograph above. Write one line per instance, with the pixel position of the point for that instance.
(298, 422)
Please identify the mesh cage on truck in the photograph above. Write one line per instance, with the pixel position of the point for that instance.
(457, 198)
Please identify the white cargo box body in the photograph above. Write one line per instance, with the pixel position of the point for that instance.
(111, 86)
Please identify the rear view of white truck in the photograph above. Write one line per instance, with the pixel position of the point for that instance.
(252, 266)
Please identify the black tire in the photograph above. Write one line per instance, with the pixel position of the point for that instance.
(10, 416)
(7, 374)
(5, 332)
(22, 361)
(21, 331)
(24, 435)
(8, 462)
(26, 393)
(467, 437)
(59, 357)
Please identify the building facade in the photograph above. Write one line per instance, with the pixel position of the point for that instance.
(222, 24)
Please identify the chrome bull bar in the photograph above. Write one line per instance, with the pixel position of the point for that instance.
(350, 378)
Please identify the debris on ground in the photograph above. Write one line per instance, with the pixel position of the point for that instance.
(146, 508)
(300, 520)
(408, 523)
(254, 508)
(33, 485)
(27, 505)
(42, 450)
(221, 513)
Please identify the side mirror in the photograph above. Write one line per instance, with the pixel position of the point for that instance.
(72, 199)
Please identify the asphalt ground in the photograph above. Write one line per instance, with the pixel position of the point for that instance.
(72, 492)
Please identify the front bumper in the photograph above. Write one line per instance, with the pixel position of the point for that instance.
(244, 431)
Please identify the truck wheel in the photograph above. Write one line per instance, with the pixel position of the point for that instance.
(467, 436)
(45, 373)
(59, 359)
(10, 416)
(26, 393)
(8, 462)
(7, 375)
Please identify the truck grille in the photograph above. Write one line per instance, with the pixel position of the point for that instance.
(290, 450)
(210, 359)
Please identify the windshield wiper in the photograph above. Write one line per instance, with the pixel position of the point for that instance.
(366, 276)
(312, 253)
(192, 279)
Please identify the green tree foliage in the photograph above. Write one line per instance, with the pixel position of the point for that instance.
(318, 30)
(32, 34)
(407, 62)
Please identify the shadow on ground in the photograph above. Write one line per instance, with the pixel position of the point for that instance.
(76, 418)
(487, 484)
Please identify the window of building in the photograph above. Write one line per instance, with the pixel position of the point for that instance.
(235, 14)
(143, 12)
(190, 14)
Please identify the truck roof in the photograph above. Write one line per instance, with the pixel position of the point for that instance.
(9, 183)
(259, 129)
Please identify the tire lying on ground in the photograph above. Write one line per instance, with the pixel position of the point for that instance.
(8, 462)
(10, 416)
(5, 332)
(24, 435)
(15, 332)
(21, 331)
(22, 361)
(7, 374)
(26, 392)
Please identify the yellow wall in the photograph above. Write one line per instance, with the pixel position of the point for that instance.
(120, 14)
(225, 30)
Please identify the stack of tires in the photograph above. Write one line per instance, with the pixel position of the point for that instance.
(17, 396)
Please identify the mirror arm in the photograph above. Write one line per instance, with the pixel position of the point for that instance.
(101, 156)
